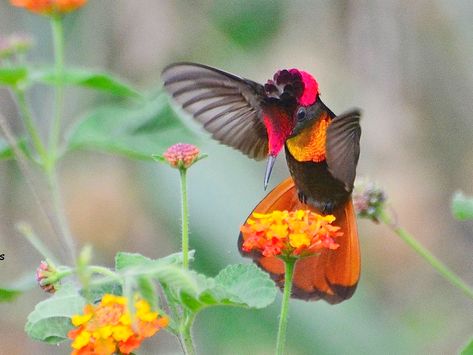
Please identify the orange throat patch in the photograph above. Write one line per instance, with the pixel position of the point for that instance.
(309, 145)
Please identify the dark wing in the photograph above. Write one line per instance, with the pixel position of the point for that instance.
(227, 106)
(343, 147)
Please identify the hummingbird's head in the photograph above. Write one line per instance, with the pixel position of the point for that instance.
(289, 93)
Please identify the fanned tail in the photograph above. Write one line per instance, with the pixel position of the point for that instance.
(331, 275)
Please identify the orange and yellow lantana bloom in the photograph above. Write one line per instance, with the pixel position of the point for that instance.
(295, 233)
(109, 327)
(49, 6)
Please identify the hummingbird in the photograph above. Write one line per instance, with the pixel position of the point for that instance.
(321, 149)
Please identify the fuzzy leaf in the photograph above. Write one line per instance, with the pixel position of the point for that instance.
(148, 290)
(236, 285)
(12, 76)
(99, 288)
(88, 79)
(50, 321)
(124, 260)
(462, 206)
(167, 270)
(246, 284)
(133, 132)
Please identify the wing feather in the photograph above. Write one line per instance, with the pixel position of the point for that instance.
(343, 147)
(228, 106)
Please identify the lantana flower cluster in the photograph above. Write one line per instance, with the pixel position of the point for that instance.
(181, 155)
(369, 200)
(109, 327)
(291, 234)
(47, 7)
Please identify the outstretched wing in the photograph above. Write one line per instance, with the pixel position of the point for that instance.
(343, 147)
(228, 106)
(331, 275)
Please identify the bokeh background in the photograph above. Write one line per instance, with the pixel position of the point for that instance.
(407, 64)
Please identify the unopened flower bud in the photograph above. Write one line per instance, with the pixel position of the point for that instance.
(46, 276)
(14, 44)
(180, 155)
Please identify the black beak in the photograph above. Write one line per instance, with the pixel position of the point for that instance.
(269, 168)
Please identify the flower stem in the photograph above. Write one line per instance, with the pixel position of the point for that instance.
(441, 268)
(59, 211)
(289, 264)
(30, 124)
(58, 39)
(185, 336)
(185, 219)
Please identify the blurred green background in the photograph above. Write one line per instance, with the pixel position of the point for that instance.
(407, 64)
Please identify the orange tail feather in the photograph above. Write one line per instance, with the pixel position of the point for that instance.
(332, 275)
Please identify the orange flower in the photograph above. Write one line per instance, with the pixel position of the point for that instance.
(109, 327)
(296, 233)
(48, 7)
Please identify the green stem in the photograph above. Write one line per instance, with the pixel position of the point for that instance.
(58, 39)
(289, 264)
(30, 124)
(184, 218)
(441, 268)
(61, 218)
(185, 336)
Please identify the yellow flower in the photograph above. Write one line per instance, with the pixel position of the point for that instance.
(121, 332)
(298, 240)
(80, 319)
(109, 327)
(81, 340)
(103, 332)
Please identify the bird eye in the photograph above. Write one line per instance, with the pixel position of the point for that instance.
(301, 112)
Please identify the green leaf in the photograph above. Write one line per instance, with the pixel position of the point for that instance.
(124, 260)
(6, 151)
(50, 321)
(462, 206)
(247, 284)
(8, 294)
(11, 292)
(98, 288)
(468, 349)
(168, 271)
(248, 23)
(12, 76)
(147, 290)
(133, 132)
(88, 79)
(236, 285)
